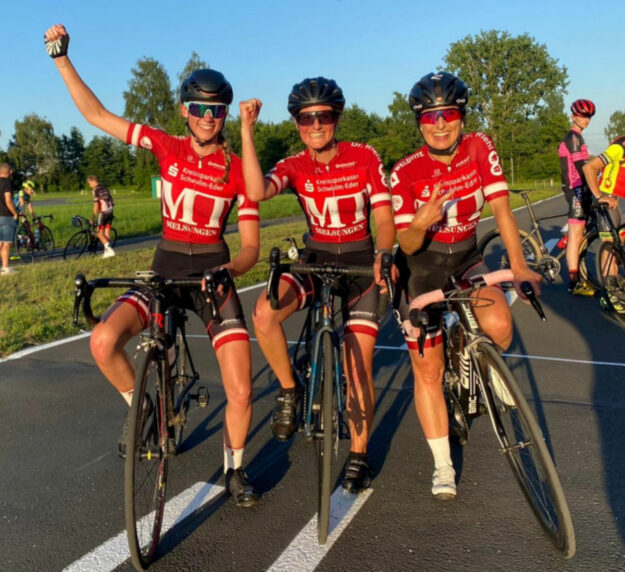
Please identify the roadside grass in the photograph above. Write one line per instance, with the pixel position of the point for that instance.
(36, 303)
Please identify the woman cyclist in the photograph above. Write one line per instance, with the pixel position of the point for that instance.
(201, 182)
(438, 195)
(338, 185)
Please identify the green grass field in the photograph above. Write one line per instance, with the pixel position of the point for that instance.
(36, 303)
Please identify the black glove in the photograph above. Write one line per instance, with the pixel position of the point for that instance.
(57, 48)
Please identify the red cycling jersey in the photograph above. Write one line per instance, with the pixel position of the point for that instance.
(195, 206)
(475, 174)
(336, 198)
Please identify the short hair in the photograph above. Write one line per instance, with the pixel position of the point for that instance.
(93, 178)
(5, 168)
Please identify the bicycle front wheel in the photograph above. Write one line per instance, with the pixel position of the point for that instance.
(76, 245)
(46, 241)
(495, 253)
(609, 262)
(326, 442)
(145, 482)
(521, 440)
(181, 398)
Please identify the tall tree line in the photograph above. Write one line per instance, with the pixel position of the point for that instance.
(517, 98)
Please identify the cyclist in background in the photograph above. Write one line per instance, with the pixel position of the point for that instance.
(24, 197)
(573, 156)
(439, 192)
(339, 185)
(610, 166)
(102, 213)
(202, 182)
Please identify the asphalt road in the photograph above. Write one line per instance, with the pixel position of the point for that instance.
(61, 490)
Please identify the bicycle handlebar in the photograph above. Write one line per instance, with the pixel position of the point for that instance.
(329, 270)
(146, 279)
(419, 319)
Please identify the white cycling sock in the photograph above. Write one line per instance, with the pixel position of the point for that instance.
(440, 451)
(233, 458)
(127, 395)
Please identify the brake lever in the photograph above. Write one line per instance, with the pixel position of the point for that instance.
(528, 292)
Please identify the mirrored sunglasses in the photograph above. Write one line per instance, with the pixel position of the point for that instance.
(307, 119)
(199, 109)
(431, 117)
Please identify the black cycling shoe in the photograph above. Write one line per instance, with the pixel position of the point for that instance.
(357, 474)
(239, 486)
(284, 419)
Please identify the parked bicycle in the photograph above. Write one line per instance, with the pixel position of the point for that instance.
(477, 381)
(317, 366)
(34, 239)
(162, 395)
(537, 256)
(86, 240)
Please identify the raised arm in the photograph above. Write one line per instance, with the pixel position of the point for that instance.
(57, 42)
(257, 187)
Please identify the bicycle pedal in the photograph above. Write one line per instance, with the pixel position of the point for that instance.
(202, 397)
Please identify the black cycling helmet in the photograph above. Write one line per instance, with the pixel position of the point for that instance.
(438, 90)
(315, 91)
(583, 108)
(206, 85)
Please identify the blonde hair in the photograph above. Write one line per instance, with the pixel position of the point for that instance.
(227, 157)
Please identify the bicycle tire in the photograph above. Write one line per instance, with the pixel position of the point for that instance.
(607, 255)
(21, 241)
(181, 400)
(326, 442)
(46, 241)
(76, 245)
(145, 478)
(588, 257)
(113, 237)
(522, 442)
(495, 254)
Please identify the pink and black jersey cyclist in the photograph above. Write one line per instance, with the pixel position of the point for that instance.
(439, 192)
(202, 180)
(340, 187)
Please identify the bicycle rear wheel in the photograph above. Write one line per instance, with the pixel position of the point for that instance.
(495, 253)
(522, 442)
(76, 245)
(23, 245)
(326, 442)
(145, 483)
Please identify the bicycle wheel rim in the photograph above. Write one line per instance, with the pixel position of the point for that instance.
(76, 245)
(326, 442)
(46, 241)
(522, 442)
(145, 482)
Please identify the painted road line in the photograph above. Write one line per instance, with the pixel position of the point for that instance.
(114, 551)
(28, 351)
(305, 553)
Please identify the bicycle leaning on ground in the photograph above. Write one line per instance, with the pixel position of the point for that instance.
(162, 394)
(477, 381)
(536, 255)
(317, 365)
(34, 239)
(86, 239)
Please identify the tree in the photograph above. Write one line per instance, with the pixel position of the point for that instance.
(357, 125)
(511, 79)
(71, 151)
(33, 148)
(616, 125)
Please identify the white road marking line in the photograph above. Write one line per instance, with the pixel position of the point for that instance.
(304, 553)
(28, 351)
(114, 551)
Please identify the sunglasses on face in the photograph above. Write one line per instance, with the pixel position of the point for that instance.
(201, 110)
(448, 115)
(308, 118)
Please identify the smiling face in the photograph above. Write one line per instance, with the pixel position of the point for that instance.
(317, 136)
(205, 128)
(441, 134)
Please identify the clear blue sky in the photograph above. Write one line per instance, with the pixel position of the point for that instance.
(371, 47)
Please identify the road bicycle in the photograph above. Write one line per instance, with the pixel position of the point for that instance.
(86, 240)
(477, 381)
(317, 365)
(165, 376)
(34, 239)
(537, 256)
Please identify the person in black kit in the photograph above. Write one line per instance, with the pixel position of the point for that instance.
(102, 213)
(8, 218)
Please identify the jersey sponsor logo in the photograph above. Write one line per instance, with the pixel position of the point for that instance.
(397, 202)
(309, 187)
(425, 193)
(145, 142)
(173, 170)
(182, 208)
(330, 209)
(495, 166)
(394, 179)
(345, 165)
